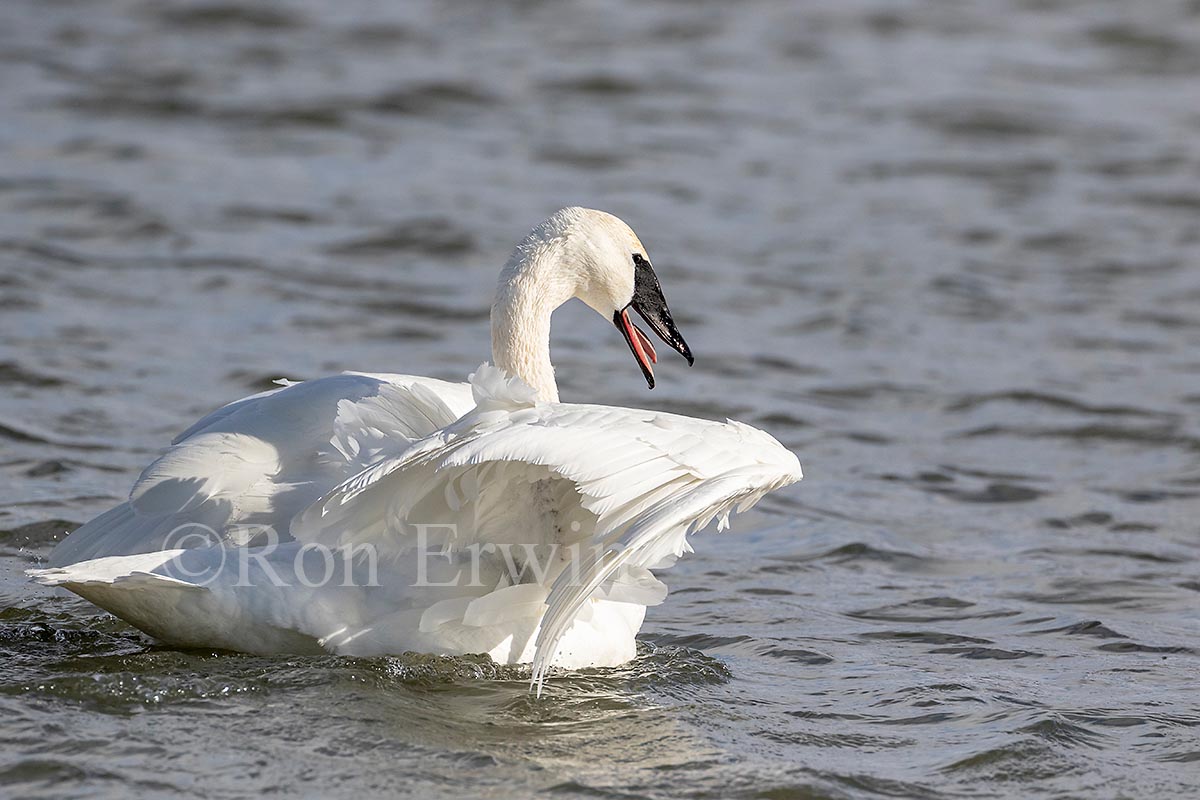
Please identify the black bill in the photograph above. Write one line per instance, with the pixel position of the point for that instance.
(649, 303)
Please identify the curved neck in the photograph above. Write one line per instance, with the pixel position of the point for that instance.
(531, 286)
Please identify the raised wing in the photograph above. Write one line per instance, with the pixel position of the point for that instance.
(628, 484)
(255, 463)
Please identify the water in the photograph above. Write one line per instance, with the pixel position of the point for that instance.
(947, 252)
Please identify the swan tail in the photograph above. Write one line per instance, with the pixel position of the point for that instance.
(112, 571)
(180, 597)
(128, 587)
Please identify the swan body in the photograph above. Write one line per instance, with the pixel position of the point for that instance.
(371, 514)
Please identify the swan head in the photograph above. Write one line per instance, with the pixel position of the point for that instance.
(600, 260)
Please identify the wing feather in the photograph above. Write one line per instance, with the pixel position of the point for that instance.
(642, 480)
(261, 460)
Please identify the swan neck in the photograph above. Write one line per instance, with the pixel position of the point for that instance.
(531, 287)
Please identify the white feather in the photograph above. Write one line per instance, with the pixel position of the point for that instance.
(571, 506)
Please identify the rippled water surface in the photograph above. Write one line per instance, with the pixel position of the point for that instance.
(949, 252)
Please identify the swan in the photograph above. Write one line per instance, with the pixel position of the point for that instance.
(371, 514)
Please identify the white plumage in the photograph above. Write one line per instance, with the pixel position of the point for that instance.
(371, 514)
